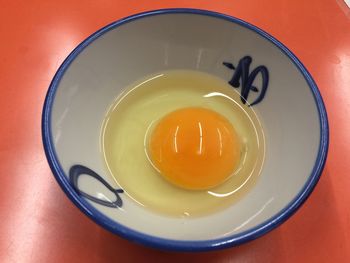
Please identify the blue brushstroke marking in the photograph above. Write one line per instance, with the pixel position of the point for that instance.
(78, 170)
(242, 77)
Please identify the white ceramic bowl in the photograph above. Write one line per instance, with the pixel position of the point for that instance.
(291, 110)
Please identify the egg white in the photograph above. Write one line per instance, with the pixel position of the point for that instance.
(132, 117)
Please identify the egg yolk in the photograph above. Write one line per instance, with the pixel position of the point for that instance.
(194, 148)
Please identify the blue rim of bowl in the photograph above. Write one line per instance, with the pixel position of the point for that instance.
(181, 245)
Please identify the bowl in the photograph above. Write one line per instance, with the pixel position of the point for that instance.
(268, 78)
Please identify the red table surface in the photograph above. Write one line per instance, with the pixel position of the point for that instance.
(40, 224)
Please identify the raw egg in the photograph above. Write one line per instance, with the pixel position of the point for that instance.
(195, 148)
(181, 143)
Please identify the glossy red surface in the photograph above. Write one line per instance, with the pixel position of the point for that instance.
(40, 224)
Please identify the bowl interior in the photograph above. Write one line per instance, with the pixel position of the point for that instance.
(127, 51)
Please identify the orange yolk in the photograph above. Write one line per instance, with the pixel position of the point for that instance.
(194, 148)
